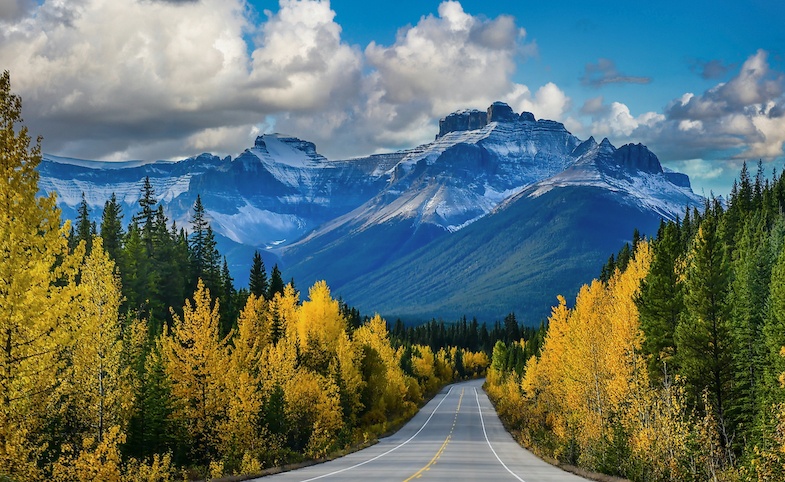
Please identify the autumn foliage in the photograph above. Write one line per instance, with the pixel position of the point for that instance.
(99, 382)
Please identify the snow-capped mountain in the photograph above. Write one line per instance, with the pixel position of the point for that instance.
(354, 222)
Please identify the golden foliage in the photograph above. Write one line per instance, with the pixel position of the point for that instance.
(194, 357)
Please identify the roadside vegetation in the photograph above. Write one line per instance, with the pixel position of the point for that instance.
(670, 366)
(126, 353)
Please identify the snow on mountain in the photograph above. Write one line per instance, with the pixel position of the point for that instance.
(631, 170)
(345, 220)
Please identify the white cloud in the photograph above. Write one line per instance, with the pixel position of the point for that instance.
(119, 78)
(445, 62)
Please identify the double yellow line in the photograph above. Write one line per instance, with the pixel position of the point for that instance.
(444, 444)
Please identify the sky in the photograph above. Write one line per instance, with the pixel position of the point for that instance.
(699, 82)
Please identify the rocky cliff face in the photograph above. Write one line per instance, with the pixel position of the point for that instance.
(463, 120)
(469, 120)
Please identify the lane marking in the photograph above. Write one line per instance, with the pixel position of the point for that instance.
(389, 451)
(418, 474)
(477, 396)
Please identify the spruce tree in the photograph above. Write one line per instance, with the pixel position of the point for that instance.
(703, 339)
(112, 227)
(276, 283)
(257, 283)
(145, 218)
(661, 300)
(84, 228)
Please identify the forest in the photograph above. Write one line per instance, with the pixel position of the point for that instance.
(126, 353)
(671, 365)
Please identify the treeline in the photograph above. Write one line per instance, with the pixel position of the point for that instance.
(160, 264)
(471, 335)
(127, 355)
(672, 366)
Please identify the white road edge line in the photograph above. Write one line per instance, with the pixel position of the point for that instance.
(477, 396)
(392, 449)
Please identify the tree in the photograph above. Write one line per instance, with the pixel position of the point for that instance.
(37, 285)
(97, 381)
(702, 337)
(512, 332)
(661, 300)
(85, 229)
(228, 298)
(112, 228)
(258, 280)
(145, 218)
(194, 357)
(205, 258)
(276, 283)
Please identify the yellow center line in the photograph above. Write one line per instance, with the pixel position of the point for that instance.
(444, 444)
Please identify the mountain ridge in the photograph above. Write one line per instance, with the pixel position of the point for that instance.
(351, 222)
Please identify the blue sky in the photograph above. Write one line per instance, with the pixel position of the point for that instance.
(701, 83)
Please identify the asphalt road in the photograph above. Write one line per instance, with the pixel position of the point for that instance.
(457, 436)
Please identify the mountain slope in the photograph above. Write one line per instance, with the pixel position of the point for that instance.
(548, 239)
(499, 213)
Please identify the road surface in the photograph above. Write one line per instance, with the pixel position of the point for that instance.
(457, 436)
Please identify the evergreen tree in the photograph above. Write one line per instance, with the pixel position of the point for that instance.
(84, 228)
(703, 339)
(145, 218)
(276, 283)
(661, 300)
(205, 258)
(112, 228)
(748, 298)
(512, 332)
(228, 299)
(257, 284)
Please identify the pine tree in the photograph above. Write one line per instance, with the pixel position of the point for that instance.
(112, 228)
(34, 293)
(84, 228)
(703, 340)
(145, 218)
(512, 332)
(228, 299)
(257, 284)
(276, 283)
(661, 300)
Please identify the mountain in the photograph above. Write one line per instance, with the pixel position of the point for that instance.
(546, 240)
(499, 213)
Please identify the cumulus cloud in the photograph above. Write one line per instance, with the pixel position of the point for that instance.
(742, 118)
(604, 72)
(117, 79)
(445, 62)
(707, 135)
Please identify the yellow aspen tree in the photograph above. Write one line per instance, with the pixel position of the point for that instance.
(394, 392)
(98, 383)
(314, 411)
(96, 460)
(241, 433)
(320, 319)
(283, 308)
(34, 291)
(195, 358)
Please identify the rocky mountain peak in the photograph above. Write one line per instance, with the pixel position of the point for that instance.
(472, 119)
(639, 157)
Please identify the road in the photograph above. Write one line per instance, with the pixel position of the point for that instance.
(457, 436)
